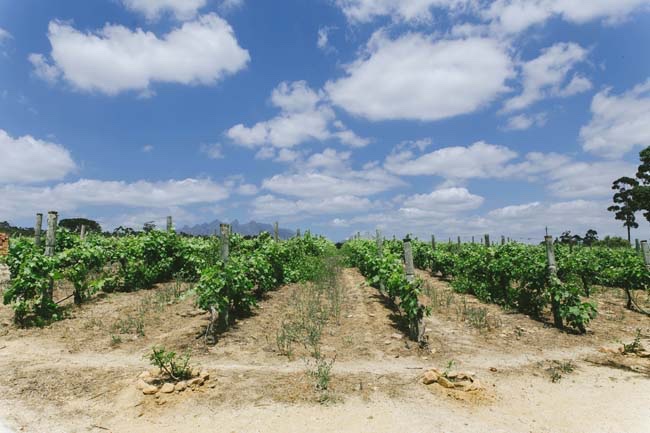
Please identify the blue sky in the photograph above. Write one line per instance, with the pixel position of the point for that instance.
(453, 117)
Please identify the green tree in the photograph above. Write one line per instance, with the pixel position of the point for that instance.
(74, 225)
(641, 191)
(625, 201)
(590, 237)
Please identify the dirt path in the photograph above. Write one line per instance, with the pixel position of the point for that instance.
(71, 377)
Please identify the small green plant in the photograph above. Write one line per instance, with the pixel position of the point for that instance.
(559, 368)
(635, 346)
(322, 373)
(450, 365)
(177, 367)
(116, 340)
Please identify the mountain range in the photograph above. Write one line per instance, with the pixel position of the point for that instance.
(251, 228)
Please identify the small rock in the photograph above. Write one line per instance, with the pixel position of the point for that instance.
(197, 381)
(442, 380)
(167, 388)
(155, 372)
(386, 342)
(149, 389)
(180, 386)
(475, 386)
(465, 375)
(493, 369)
(397, 336)
(430, 377)
(204, 375)
(144, 375)
(464, 384)
(141, 384)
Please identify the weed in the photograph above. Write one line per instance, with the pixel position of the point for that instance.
(558, 368)
(635, 346)
(450, 365)
(116, 340)
(322, 373)
(178, 368)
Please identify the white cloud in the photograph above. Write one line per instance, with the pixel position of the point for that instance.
(325, 184)
(147, 148)
(115, 59)
(247, 189)
(27, 159)
(153, 9)
(323, 39)
(44, 70)
(445, 200)
(619, 123)
(415, 77)
(25, 200)
(524, 121)
(513, 16)
(329, 159)
(584, 179)
(303, 117)
(4, 35)
(270, 205)
(212, 151)
(457, 162)
(545, 75)
(362, 11)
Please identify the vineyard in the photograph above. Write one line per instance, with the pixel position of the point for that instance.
(301, 325)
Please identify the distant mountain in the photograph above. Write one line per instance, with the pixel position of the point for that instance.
(251, 228)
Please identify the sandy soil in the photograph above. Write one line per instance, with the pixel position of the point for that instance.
(79, 374)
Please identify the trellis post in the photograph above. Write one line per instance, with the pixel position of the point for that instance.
(646, 253)
(276, 231)
(225, 241)
(170, 226)
(38, 227)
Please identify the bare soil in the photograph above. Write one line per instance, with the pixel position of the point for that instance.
(79, 374)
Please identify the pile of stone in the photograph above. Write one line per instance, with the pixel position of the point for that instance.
(463, 381)
(152, 382)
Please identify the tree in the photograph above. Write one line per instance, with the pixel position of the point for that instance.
(590, 237)
(625, 201)
(74, 225)
(641, 191)
(149, 226)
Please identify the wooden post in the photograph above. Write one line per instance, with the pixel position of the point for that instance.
(637, 245)
(170, 226)
(552, 274)
(82, 233)
(433, 242)
(458, 240)
(38, 227)
(503, 240)
(297, 233)
(646, 253)
(408, 260)
(487, 240)
(276, 231)
(472, 239)
(225, 241)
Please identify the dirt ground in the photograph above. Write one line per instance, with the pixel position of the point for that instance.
(80, 374)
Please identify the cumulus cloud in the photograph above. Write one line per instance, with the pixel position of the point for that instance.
(212, 151)
(324, 184)
(153, 9)
(619, 123)
(416, 77)
(361, 11)
(445, 200)
(562, 175)
(478, 160)
(115, 59)
(513, 16)
(304, 116)
(521, 122)
(270, 205)
(27, 159)
(546, 75)
(24, 200)
(4, 35)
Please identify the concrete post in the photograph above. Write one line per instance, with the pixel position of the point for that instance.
(50, 236)
(38, 227)
(170, 226)
(433, 242)
(646, 253)
(487, 240)
(82, 232)
(408, 260)
(225, 241)
(276, 231)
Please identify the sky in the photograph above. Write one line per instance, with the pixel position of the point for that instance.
(445, 117)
